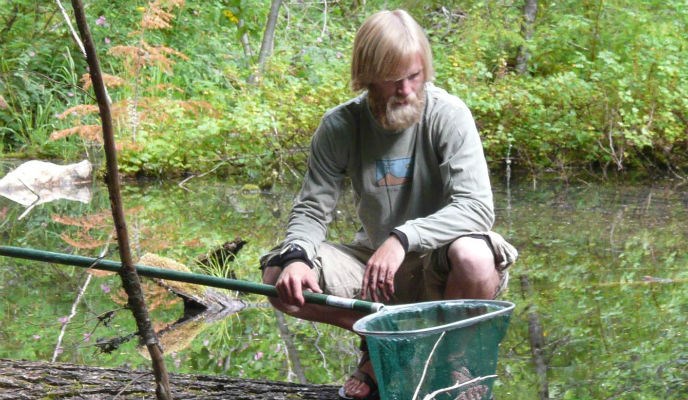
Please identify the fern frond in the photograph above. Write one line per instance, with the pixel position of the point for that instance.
(80, 110)
(88, 132)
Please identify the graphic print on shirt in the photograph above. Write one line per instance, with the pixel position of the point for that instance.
(395, 172)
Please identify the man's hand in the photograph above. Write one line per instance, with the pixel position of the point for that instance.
(381, 268)
(293, 280)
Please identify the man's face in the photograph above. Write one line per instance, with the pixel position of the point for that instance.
(398, 104)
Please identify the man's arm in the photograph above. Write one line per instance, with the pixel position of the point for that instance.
(310, 215)
(466, 180)
(313, 207)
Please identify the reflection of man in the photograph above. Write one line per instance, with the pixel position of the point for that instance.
(422, 192)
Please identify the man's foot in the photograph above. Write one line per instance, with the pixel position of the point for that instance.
(361, 384)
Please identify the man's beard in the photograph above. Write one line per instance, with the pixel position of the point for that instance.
(397, 117)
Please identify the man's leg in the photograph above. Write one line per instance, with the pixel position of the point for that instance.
(472, 273)
(340, 270)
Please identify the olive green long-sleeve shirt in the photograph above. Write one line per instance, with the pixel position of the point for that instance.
(429, 181)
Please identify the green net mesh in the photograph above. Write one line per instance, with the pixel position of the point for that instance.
(445, 349)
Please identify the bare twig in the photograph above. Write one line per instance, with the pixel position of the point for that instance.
(292, 355)
(71, 28)
(32, 205)
(72, 313)
(427, 364)
(317, 344)
(128, 274)
(77, 40)
(458, 385)
(188, 178)
(323, 32)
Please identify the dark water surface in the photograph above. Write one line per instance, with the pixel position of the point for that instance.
(601, 285)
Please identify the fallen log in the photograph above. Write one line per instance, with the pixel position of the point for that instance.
(41, 380)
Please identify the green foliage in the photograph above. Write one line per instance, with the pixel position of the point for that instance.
(607, 82)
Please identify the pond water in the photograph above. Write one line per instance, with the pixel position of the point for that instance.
(601, 284)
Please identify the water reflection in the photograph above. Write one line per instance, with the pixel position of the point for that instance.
(606, 264)
(37, 182)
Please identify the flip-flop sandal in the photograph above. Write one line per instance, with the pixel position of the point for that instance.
(363, 377)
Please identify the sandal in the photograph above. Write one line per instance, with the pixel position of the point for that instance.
(362, 377)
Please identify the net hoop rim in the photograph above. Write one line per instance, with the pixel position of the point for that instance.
(359, 326)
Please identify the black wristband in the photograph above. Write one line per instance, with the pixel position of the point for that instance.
(403, 239)
(290, 254)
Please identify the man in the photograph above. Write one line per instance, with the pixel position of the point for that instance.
(415, 162)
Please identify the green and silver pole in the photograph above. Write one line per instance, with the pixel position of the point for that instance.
(188, 277)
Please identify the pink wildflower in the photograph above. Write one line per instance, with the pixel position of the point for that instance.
(101, 21)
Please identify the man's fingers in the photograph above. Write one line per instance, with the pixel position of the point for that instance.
(297, 294)
(364, 285)
(389, 285)
(312, 285)
(283, 290)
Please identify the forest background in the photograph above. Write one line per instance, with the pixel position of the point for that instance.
(196, 86)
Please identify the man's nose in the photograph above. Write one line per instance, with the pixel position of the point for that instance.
(403, 87)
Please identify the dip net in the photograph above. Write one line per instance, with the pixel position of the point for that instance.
(438, 350)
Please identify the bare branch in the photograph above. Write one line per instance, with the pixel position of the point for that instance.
(458, 385)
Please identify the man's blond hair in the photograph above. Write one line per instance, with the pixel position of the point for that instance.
(387, 42)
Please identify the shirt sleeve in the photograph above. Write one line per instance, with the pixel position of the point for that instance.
(466, 181)
(313, 207)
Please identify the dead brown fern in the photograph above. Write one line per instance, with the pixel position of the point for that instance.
(156, 18)
(88, 132)
(198, 107)
(110, 81)
(82, 237)
(158, 15)
(97, 220)
(137, 57)
(82, 240)
(162, 87)
(80, 110)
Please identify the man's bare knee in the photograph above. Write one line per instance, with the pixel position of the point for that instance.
(471, 255)
(473, 273)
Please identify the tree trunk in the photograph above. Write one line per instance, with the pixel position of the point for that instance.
(269, 35)
(128, 274)
(268, 40)
(529, 13)
(244, 40)
(42, 380)
(536, 338)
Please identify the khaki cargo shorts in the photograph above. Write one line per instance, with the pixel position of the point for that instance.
(421, 277)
